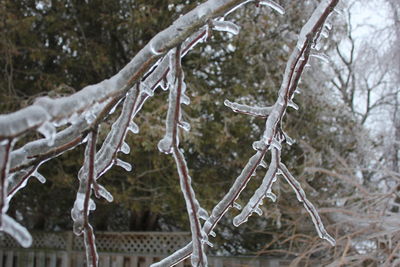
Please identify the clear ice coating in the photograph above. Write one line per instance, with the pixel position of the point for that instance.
(125, 165)
(125, 148)
(17, 231)
(263, 191)
(312, 211)
(275, 6)
(250, 110)
(320, 56)
(104, 193)
(38, 176)
(225, 26)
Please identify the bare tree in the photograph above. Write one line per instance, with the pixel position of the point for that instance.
(73, 120)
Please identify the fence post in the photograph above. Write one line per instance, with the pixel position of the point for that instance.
(68, 250)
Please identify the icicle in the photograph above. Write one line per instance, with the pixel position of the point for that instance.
(261, 192)
(293, 105)
(38, 176)
(185, 126)
(125, 148)
(258, 211)
(237, 206)
(17, 231)
(263, 164)
(325, 33)
(250, 110)
(271, 196)
(225, 26)
(208, 243)
(328, 26)
(322, 57)
(185, 99)
(125, 165)
(92, 205)
(288, 139)
(301, 197)
(133, 128)
(165, 145)
(49, 132)
(102, 191)
(275, 6)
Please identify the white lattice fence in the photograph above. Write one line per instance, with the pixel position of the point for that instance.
(126, 249)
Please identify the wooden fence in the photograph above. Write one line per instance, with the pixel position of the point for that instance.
(130, 249)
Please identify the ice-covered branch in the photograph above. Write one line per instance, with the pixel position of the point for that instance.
(262, 112)
(83, 203)
(273, 134)
(170, 144)
(265, 190)
(8, 224)
(301, 196)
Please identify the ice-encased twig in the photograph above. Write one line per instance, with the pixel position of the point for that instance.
(83, 203)
(263, 191)
(106, 156)
(8, 224)
(292, 74)
(170, 144)
(301, 197)
(225, 26)
(249, 110)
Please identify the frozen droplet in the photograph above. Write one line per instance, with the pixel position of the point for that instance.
(288, 139)
(92, 204)
(263, 164)
(213, 234)
(125, 165)
(258, 211)
(293, 105)
(104, 193)
(237, 206)
(208, 243)
(271, 196)
(38, 176)
(328, 26)
(48, 130)
(133, 128)
(185, 126)
(275, 6)
(165, 145)
(125, 148)
(226, 26)
(324, 33)
(185, 99)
